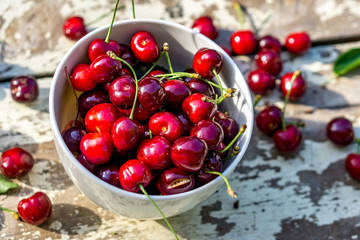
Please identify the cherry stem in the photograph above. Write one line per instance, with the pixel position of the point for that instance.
(150, 134)
(166, 49)
(76, 98)
(156, 206)
(262, 24)
(103, 16)
(113, 56)
(256, 101)
(219, 81)
(15, 214)
(133, 8)
(234, 152)
(153, 66)
(231, 192)
(241, 131)
(240, 14)
(294, 76)
(357, 140)
(112, 22)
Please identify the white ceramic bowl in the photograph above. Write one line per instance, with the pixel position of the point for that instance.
(183, 42)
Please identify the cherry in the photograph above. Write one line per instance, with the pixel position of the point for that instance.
(206, 27)
(269, 120)
(219, 149)
(197, 108)
(145, 47)
(340, 131)
(209, 131)
(101, 117)
(187, 124)
(35, 209)
(298, 42)
(207, 62)
(24, 89)
(72, 137)
(89, 99)
(151, 93)
(88, 165)
(156, 72)
(126, 133)
(298, 87)
(81, 78)
(199, 86)
(97, 147)
(122, 92)
(243, 42)
(104, 69)
(127, 54)
(140, 113)
(227, 50)
(155, 152)
(16, 162)
(133, 173)
(269, 60)
(74, 28)
(175, 180)
(100, 47)
(229, 125)
(188, 153)
(110, 174)
(287, 140)
(166, 124)
(175, 93)
(261, 82)
(213, 162)
(270, 42)
(73, 123)
(352, 162)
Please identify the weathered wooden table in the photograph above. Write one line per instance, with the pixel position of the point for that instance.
(307, 195)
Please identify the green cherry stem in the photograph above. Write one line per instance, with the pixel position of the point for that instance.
(294, 76)
(357, 140)
(256, 100)
(103, 16)
(15, 214)
(240, 14)
(231, 192)
(166, 49)
(234, 152)
(112, 22)
(241, 131)
(150, 134)
(154, 65)
(219, 81)
(133, 8)
(156, 206)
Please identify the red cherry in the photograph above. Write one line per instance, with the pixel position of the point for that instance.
(229, 125)
(340, 131)
(187, 124)
(16, 162)
(175, 93)
(269, 61)
(24, 89)
(36, 209)
(287, 140)
(133, 173)
(188, 153)
(110, 174)
(206, 27)
(127, 55)
(209, 131)
(101, 118)
(72, 137)
(197, 108)
(199, 86)
(89, 99)
(206, 61)
(221, 147)
(74, 28)
(88, 165)
(140, 113)
(213, 162)
(269, 120)
(166, 124)
(97, 147)
(352, 165)
(126, 133)
(81, 78)
(104, 69)
(175, 180)
(122, 92)
(99, 47)
(145, 47)
(243, 42)
(227, 50)
(261, 82)
(155, 152)
(151, 93)
(271, 43)
(298, 88)
(153, 73)
(298, 42)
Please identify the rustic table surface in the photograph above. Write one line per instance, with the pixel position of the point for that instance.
(307, 195)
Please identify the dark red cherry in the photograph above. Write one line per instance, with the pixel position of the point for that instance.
(298, 42)
(35, 209)
(298, 88)
(270, 42)
(81, 78)
(175, 93)
(122, 92)
(209, 131)
(24, 89)
(97, 147)
(72, 137)
(228, 124)
(175, 180)
(269, 60)
(261, 82)
(133, 173)
(101, 117)
(221, 147)
(99, 47)
(269, 120)
(213, 162)
(166, 124)
(74, 28)
(151, 93)
(127, 55)
(89, 99)
(187, 124)
(206, 27)
(88, 165)
(110, 174)
(288, 140)
(189, 153)
(126, 133)
(243, 42)
(104, 69)
(352, 165)
(140, 113)
(145, 47)
(197, 107)
(155, 152)
(227, 50)
(206, 61)
(199, 86)
(340, 131)
(73, 123)
(16, 162)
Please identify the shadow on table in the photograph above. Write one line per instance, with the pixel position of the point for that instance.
(13, 138)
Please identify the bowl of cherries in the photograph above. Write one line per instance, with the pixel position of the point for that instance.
(147, 112)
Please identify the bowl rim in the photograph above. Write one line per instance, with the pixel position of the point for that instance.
(120, 191)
